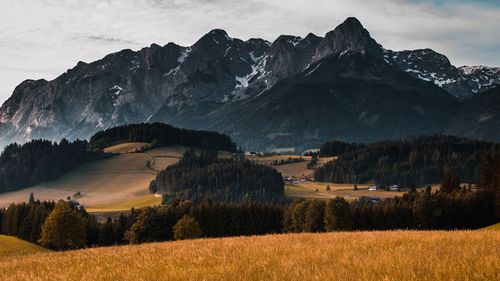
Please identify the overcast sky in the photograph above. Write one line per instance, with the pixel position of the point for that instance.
(44, 38)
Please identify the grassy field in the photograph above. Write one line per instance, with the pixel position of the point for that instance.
(308, 190)
(298, 169)
(125, 147)
(114, 184)
(392, 255)
(493, 227)
(10, 246)
(146, 200)
(114, 180)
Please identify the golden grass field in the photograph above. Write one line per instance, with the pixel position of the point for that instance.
(147, 200)
(114, 180)
(493, 227)
(10, 246)
(126, 147)
(390, 255)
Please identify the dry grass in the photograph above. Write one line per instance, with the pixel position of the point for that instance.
(109, 183)
(125, 147)
(492, 227)
(10, 246)
(117, 179)
(396, 255)
(298, 169)
(147, 200)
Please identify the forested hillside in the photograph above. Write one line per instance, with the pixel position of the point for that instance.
(38, 161)
(419, 160)
(223, 180)
(162, 134)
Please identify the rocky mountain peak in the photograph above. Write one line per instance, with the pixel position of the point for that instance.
(217, 36)
(350, 36)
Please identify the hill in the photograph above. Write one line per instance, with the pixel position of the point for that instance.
(200, 176)
(392, 255)
(40, 161)
(114, 180)
(416, 160)
(10, 246)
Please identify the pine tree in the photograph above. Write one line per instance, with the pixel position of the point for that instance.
(31, 200)
(338, 215)
(63, 229)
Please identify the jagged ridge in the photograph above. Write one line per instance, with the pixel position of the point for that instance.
(188, 86)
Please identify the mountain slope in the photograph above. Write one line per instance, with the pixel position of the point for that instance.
(340, 98)
(479, 117)
(183, 85)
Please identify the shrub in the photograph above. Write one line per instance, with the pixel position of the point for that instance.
(187, 228)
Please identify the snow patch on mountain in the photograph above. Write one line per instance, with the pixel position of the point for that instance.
(295, 41)
(184, 54)
(314, 69)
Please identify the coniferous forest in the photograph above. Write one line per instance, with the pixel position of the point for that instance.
(39, 160)
(162, 134)
(417, 160)
(197, 177)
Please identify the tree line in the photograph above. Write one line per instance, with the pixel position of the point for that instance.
(417, 160)
(66, 225)
(38, 161)
(162, 134)
(197, 177)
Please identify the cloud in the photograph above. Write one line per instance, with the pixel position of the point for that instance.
(43, 38)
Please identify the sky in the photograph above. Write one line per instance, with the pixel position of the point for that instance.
(44, 38)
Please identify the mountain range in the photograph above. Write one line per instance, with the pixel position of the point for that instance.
(291, 93)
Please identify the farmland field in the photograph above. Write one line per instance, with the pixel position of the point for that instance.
(125, 147)
(298, 169)
(10, 246)
(117, 179)
(391, 255)
(109, 184)
(147, 200)
(308, 190)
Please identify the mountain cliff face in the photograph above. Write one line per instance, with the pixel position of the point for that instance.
(293, 92)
